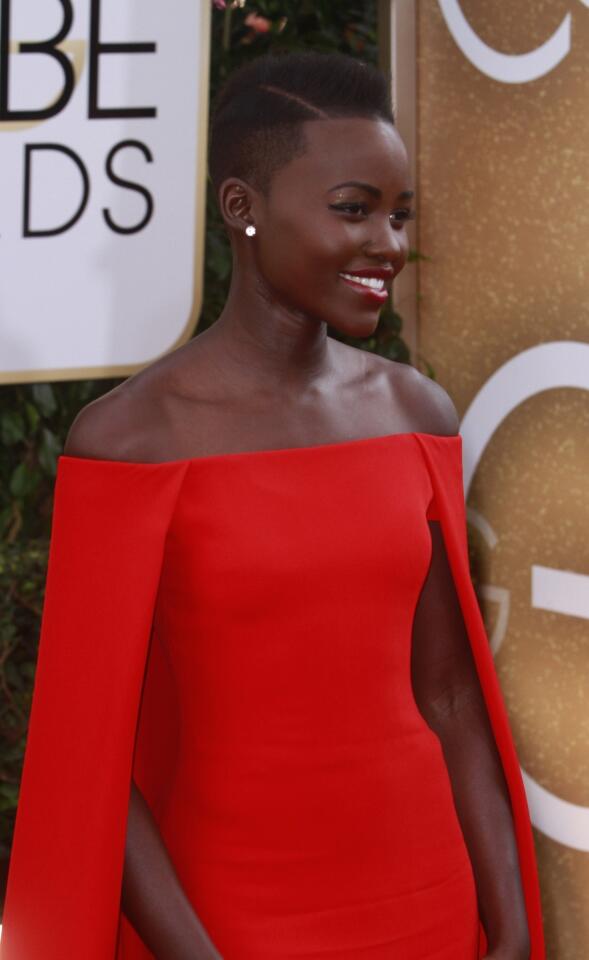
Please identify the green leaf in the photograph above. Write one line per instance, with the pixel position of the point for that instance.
(8, 796)
(49, 450)
(32, 416)
(5, 516)
(23, 481)
(426, 367)
(28, 670)
(12, 428)
(44, 397)
(416, 255)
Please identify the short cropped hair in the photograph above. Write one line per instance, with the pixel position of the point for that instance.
(257, 117)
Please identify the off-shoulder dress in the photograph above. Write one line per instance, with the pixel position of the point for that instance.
(234, 632)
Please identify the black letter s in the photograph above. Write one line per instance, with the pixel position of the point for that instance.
(130, 186)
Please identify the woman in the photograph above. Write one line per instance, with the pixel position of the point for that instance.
(259, 618)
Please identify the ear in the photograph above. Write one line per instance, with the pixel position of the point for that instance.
(237, 202)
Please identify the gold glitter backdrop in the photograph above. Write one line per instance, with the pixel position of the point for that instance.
(502, 158)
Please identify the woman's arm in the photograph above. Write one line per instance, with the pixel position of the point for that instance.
(152, 897)
(448, 694)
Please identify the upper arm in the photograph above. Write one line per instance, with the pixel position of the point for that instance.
(444, 675)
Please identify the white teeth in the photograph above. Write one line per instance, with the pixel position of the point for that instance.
(374, 283)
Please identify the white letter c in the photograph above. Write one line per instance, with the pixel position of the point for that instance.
(506, 67)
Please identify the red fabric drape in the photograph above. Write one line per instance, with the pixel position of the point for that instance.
(444, 462)
(108, 532)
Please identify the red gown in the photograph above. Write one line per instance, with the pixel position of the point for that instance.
(234, 631)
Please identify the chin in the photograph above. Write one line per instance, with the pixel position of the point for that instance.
(359, 327)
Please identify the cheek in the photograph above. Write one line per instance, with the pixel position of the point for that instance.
(404, 243)
(314, 249)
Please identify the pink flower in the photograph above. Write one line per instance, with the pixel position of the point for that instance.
(257, 23)
(219, 4)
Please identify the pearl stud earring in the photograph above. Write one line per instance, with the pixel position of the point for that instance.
(250, 230)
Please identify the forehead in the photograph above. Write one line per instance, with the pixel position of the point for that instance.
(350, 148)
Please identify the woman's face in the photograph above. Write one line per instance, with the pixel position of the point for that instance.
(333, 218)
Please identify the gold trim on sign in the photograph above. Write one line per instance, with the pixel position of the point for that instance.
(55, 375)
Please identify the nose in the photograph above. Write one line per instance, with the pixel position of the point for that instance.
(387, 244)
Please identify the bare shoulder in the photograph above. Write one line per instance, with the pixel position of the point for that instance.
(104, 429)
(422, 403)
(123, 423)
(145, 418)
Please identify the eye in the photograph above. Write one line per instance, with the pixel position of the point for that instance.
(353, 207)
(403, 214)
(357, 209)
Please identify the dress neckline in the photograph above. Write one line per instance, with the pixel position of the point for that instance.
(271, 452)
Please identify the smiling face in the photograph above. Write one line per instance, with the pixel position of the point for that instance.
(331, 232)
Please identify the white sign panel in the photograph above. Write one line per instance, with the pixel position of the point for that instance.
(103, 119)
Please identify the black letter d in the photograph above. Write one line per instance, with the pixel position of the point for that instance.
(27, 231)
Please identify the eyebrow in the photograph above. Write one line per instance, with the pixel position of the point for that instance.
(404, 195)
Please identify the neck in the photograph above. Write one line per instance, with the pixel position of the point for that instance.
(268, 343)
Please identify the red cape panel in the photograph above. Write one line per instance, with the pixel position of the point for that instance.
(108, 532)
(444, 462)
